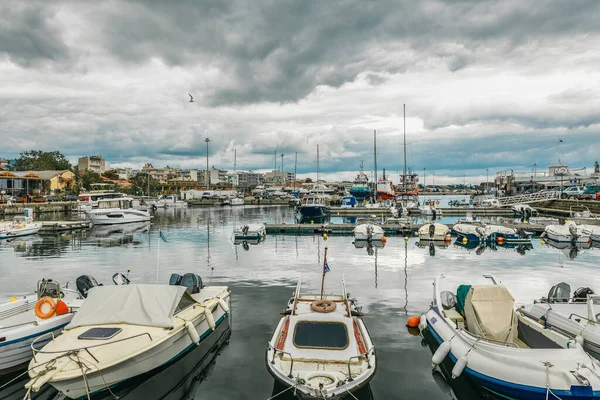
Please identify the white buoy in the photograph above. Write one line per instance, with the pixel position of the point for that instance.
(440, 353)
(459, 367)
(209, 318)
(579, 340)
(191, 330)
(423, 322)
(223, 304)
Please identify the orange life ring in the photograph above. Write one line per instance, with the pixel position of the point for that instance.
(324, 306)
(437, 202)
(40, 303)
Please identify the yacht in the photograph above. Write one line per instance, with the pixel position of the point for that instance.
(99, 191)
(116, 211)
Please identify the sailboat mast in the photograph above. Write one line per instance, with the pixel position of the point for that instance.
(295, 166)
(234, 165)
(375, 163)
(317, 164)
(404, 148)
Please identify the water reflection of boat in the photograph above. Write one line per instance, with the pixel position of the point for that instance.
(21, 244)
(361, 244)
(310, 220)
(116, 235)
(481, 247)
(432, 245)
(569, 249)
(248, 242)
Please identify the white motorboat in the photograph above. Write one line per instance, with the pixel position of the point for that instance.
(167, 201)
(369, 232)
(260, 189)
(106, 343)
(237, 201)
(321, 346)
(116, 211)
(490, 233)
(523, 209)
(26, 318)
(584, 217)
(569, 232)
(434, 231)
(404, 220)
(250, 232)
(429, 207)
(485, 339)
(575, 317)
(592, 231)
(542, 221)
(21, 225)
(99, 191)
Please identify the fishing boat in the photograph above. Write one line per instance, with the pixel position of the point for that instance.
(385, 189)
(477, 328)
(106, 344)
(321, 347)
(116, 211)
(569, 232)
(250, 232)
(360, 188)
(573, 316)
(434, 231)
(24, 319)
(368, 232)
(21, 225)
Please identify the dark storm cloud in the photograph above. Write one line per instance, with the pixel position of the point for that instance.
(29, 35)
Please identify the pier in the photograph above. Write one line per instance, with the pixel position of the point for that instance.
(448, 211)
(38, 208)
(53, 227)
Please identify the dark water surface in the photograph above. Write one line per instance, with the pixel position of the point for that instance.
(390, 283)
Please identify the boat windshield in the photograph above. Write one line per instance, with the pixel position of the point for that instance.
(321, 335)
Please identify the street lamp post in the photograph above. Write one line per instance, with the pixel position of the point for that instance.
(487, 179)
(424, 184)
(206, 174)
(282, 174)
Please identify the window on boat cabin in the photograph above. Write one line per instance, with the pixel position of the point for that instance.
(320, 335)
(109, 204)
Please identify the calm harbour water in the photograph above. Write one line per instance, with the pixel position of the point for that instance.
(390, 283)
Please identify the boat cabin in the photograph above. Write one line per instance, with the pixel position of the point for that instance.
(122, 203)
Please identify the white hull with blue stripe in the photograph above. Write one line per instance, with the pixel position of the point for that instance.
(510, 369)
(490, 233)
(134, 350)
(19, 327)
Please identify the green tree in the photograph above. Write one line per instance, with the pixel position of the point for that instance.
(38, 160)
(84, 179)
(111, 174)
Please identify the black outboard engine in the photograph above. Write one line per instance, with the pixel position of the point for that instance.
(245, 230)
(192, 282)
(580, 295)
(522, 234)
(431, 230)
(431, 249)
(85, 283)
(560, 293)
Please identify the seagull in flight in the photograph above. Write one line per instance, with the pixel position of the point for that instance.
(191, 98)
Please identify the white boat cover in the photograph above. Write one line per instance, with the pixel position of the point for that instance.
(148, 305)
(489, 310)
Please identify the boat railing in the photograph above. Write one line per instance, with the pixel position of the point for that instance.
(593, 321)
(275, 351)
(86, 348)
(478, 338)
(366, 355)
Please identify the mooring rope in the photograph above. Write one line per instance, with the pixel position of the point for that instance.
(548, 391)
(282, 392)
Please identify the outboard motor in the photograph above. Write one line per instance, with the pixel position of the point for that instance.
(175, 279)
(192, 282)
(369, 232)
(431, 230)
(431, 249)
(580, 295)
(573, 232)
(522, 234)
(245, 230)
(84, 283)
(560, 293)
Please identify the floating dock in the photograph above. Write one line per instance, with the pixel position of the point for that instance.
(38, 208)
(448, 211)
(389, 229)
(53, 227)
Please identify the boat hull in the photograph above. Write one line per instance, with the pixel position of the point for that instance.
(505, 379)
(13, 233)
(314, 211)
(117, 216)
(159, 356)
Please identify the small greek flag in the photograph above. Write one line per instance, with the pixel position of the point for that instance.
(326, 267)
(162, 236)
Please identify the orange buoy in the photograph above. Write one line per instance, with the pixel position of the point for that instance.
(437, 202)
(49, 310)
(383, 239)
(500, 240)
(61, 308)
(413, 321)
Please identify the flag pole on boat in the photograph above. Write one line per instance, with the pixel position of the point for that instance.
(161, 236)
(325, 270)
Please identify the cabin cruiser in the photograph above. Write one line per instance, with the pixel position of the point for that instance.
(314, 205)
(106, 344)
(167, 201)
(369, 232)
(477, 328)
(575, 317)
(569, 232)
(116, 211)
(99, 191)
(321, 346)
(250, 232)
(21, 225)
(434, 231)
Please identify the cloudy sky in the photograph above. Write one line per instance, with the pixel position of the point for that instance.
(486, 84)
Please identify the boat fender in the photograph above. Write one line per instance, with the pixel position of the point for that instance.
(579, 340)
(459, 367)
(45, 314)
(191, 330)
(440, 353)
(423, 322)
(61, 308)
(413, 321)
(210, 319)
(223, 304)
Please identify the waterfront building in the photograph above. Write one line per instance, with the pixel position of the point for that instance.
(279, 178)
(23, 183)
(559, 175)
(249, 179)
(95, 164)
